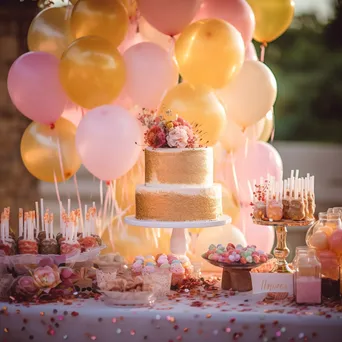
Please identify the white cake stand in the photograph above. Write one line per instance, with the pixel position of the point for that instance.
(178, 239)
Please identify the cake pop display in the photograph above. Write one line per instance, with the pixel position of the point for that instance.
(259, 195)
(70, 245)
(49, 245)
(286, 200)
(28, 245)
(274, 207)
(311, 204)
(7, 243)
(297, 208)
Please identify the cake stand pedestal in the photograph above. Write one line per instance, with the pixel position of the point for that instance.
(178, 243)
(281, 250)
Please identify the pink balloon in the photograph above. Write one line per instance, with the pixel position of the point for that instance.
(132, 37)
(260, 236)
(250, 53)
(169, 16)
(74, 113)
(236, 12)
(255, 160)
(108, 140)
(151, 71)
(335, 241)
(34, 87)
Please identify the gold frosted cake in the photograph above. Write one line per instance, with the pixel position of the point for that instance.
(178, 177)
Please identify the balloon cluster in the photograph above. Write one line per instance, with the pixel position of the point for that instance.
(101, 58)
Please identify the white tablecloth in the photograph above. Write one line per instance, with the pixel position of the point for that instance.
(243, 318)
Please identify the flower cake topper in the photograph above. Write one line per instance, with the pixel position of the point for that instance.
(163, 133)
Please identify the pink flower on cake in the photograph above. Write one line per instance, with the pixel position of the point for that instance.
(178, 137)
(155, 137)
(46, 277)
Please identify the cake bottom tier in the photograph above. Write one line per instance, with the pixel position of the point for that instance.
(178, 204)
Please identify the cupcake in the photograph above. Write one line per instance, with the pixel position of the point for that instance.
(178, 272)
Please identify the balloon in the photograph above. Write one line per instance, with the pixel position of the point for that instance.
(255, 160)
(40, 146)
(223, 235)
(127, 240)
(235, 12)
(151, 71)
(73, 113)
(272, 18)
(260, 236)
(132, 38)
(233, 137)
(92, 72)
(153, 35)
(268, 126)
(108, 140)
(230, 204)
(49, 31)
(106, 18)
(251, 94)
(34, 87)
(250, 54)
(209, 52)
(169, 16)
(132, 241)
(198, 105)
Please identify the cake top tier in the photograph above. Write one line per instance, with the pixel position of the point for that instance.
(179, 166)
(166, 132)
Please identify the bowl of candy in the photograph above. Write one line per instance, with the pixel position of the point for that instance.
(236, 262)
(122, 288)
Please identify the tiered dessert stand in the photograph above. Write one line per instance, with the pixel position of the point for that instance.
(178, 243)
(281, 251)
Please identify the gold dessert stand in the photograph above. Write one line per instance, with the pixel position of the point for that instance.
(281, 250)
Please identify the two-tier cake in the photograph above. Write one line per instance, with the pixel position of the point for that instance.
(178, 175)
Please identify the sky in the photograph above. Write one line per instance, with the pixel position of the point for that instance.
(322, 8)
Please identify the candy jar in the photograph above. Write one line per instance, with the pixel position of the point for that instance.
(299, 251)
(330, 274)
(315, 236)
(308, 278)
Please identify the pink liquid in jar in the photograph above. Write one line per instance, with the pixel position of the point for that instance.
(308, 290)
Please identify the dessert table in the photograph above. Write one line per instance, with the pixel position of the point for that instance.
(220, 316)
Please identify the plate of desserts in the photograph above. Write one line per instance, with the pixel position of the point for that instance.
(288, 202)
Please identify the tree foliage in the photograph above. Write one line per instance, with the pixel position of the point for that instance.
(307, 62)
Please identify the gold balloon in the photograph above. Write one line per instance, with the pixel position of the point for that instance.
(106, 18)
(272, 18)
(49, 31)
(268, 127)
(131, 241)
(92, 72)
(230, 204)
(198, 105)
(40, 146)
(209, 51)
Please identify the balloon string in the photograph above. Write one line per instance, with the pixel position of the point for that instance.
(78, 199)
(262, 52)
(172, 42)
(273, 130)
(56, 187)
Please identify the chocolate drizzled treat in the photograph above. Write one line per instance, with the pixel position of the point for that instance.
(49, 246)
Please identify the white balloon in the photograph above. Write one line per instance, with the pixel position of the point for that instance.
(250, 95)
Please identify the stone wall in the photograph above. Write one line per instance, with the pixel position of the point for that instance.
(17, 187)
